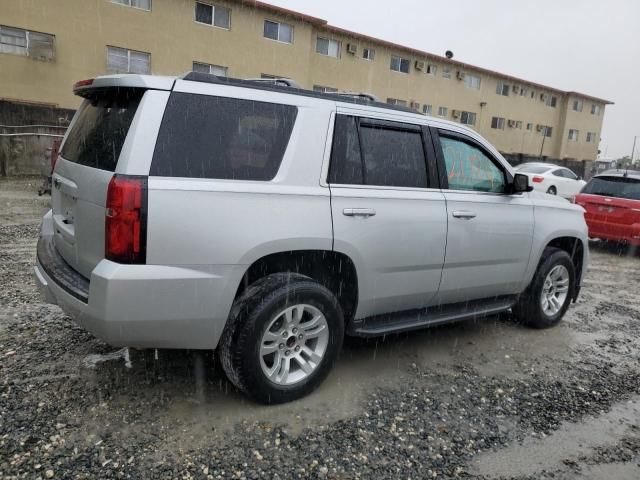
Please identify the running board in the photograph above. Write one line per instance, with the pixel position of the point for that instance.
(415, 319)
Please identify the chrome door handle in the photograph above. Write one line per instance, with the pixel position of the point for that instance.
(464, 214)
(359, 212)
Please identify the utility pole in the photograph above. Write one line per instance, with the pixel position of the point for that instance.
(633, 151)
(544, 137)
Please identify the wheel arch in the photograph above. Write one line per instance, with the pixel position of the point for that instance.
(334, 270)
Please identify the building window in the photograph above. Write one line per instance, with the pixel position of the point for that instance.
(519, 124)
(280, 32)
(141, 4)
(431, 69)
(368, 54)
(395, 101)
(446, 72)
(573, 135)
(595, 109)
(577, 105)
(213, 15)
(523, 91)
(468, 118)
(16, 41)
(399, 64)
(321, 89)
(551, 101)
(497, 123)
(547, 131)
(471, 81)
(502, 89)
(533, 94)
(443, 111)
(121, 60)
(330, 48)
(591, 137)
(427, 109)
(216, 70)
(529, 126)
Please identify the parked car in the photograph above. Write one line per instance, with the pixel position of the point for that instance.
(268, 222)
(612, 204)
(552, 179)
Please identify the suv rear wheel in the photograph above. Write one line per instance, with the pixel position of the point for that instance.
(282, 338)
(547, 299)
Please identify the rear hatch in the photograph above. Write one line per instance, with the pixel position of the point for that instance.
(611, 199)
(87, 162)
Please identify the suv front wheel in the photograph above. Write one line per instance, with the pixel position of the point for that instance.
(282, 338)
(547, 298)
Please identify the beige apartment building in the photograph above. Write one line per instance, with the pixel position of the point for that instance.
(46, 45)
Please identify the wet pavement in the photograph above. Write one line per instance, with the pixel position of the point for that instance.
(488, 399)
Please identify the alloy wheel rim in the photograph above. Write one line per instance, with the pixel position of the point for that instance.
(293, 344)
(555, 290)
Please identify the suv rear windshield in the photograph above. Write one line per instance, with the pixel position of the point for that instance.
(620, 187)
(101, 127)
(223, 138)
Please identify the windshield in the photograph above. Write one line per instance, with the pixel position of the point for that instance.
(619, 187)
(533, 169)
(100, 129)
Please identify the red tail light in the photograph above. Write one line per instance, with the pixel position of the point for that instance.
(82, 84)
(537, 179)
(126, 219)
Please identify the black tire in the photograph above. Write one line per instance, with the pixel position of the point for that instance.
(552, 191)
(529, 310)
(249, 317)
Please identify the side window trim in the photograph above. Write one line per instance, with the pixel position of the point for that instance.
(442, 167)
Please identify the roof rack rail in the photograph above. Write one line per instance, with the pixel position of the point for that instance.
(283, 82)
(286, 85)
(364, 96)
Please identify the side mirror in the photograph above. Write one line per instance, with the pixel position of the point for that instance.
(521, 184)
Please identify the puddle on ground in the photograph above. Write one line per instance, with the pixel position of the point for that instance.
(571, 441)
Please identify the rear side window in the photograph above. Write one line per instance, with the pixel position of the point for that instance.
(222, 138)
(101, 127)
(620, 187)
(367, 152)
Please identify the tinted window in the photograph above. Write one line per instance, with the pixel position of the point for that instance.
(393, 158)
(614, 187)
(346, 161)
(384, 154)
(469, 168)
(100, 129)
(224, 138)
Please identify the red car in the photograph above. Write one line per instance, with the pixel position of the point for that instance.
(612, 203)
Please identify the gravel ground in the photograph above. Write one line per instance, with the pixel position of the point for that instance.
(473, 400)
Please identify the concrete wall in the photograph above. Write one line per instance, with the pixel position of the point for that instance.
(27, 133)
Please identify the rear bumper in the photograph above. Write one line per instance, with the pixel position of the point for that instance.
(615, 232)
(142, 306)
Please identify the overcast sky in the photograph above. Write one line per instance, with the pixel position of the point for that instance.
(589, 46)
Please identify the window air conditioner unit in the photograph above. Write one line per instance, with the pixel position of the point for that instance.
(460, 75)
(539, 128)
(352, 48)
(455, 113)
(511, 123)
(420, 65)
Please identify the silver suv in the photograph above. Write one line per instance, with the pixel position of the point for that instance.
(268, 221)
